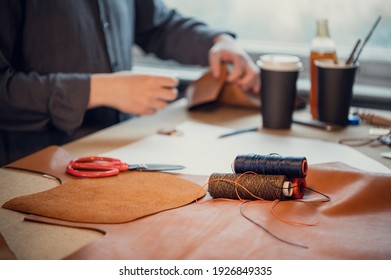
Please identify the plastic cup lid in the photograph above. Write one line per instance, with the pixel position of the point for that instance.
(280, 62)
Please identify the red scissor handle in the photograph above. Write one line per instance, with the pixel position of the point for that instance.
(95, 167)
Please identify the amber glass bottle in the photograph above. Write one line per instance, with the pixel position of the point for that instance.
(322, 47)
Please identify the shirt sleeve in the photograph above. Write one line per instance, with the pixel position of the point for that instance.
(169, 35)
(30, 101)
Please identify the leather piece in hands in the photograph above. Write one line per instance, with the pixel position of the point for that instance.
(208, 89)
(52, 161)
(117, 199)
(355, 224)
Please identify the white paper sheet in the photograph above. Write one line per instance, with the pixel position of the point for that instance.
(203, 153)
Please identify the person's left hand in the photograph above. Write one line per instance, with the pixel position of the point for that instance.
(244, 73)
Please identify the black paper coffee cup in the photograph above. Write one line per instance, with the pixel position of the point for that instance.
(335, 90)
(279, 74)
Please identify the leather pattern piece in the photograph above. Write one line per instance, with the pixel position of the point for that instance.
(355, 224)
(51, 161)
(117, 199)
(207, 89)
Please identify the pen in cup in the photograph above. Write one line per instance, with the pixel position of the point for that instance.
(351, 57)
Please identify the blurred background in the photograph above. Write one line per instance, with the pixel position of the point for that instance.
(285, 26)
(263, 24)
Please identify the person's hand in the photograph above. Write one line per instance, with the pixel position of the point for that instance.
(132, 93)
(245, 73)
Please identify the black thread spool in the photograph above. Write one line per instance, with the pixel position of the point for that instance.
(268, 187)
(272, 164)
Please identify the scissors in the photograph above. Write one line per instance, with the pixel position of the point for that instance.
(98, 167)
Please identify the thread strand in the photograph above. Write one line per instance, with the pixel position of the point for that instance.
(268, 231)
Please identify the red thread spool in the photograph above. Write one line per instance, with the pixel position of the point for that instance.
(299, 186)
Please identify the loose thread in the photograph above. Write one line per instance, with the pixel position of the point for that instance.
(268, 231)
(326, 198)
(272, 210)
(273, 206)
(237, 184)
(299, 183)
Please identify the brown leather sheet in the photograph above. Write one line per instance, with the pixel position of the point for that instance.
(354, 224)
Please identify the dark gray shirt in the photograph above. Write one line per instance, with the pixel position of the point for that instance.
(49, 48)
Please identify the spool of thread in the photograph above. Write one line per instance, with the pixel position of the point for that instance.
(272, 164)
(249, 186)
(299, 186)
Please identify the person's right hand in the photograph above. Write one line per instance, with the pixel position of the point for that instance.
(131, 93)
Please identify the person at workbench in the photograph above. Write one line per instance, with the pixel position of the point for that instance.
(65, 66)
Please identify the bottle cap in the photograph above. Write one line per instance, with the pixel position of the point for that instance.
(353, 120)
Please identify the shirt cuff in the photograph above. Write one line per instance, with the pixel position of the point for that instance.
(68, 100)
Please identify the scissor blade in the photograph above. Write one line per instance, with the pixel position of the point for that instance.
(155, 167)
